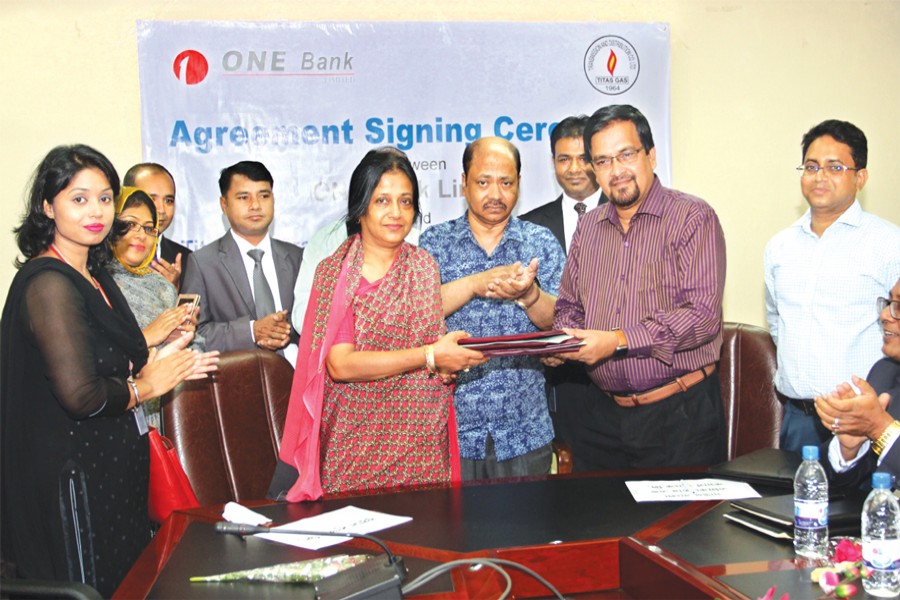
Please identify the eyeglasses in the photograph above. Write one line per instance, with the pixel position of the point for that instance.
(625, 158)
(135, 226)
(894, 304)
(833, 169)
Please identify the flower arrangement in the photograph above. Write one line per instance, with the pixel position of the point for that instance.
(836, 581)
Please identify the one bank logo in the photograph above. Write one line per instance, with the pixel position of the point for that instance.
(611, 65)
(190, 67)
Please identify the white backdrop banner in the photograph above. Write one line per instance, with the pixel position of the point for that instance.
(310, 99)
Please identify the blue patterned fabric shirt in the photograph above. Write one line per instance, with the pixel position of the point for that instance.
(504, 397)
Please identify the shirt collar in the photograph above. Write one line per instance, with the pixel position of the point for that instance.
(852, 217)
(513, 229)
(592, 201)
(243, 245)
(653, 204)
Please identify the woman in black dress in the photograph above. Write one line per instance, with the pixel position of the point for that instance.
(74, 367)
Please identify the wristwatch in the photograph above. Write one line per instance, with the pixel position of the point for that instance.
(622, 348)
(525, 307)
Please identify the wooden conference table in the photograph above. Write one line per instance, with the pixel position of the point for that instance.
(584, 533)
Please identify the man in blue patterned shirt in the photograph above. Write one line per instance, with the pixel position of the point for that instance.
(499, 276)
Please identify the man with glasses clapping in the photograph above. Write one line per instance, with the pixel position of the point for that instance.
(821, 274)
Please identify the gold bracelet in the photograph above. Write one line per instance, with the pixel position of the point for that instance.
(892, 431)
(429, 358)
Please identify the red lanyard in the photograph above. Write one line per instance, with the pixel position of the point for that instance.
(96, 283)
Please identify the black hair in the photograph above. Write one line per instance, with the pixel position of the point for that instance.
(607, 115)
(365, 179)
(469, 154)
(36, 231)
(843, 132)
(570, 127)
(251, 169)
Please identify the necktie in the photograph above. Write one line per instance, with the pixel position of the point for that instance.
(262, 293)
(580, 207)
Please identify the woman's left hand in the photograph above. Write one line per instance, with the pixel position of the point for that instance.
(204, 362)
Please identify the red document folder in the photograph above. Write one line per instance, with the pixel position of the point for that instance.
(541, 342)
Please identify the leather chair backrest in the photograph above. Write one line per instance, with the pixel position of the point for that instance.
(227, 428)
(747, 374)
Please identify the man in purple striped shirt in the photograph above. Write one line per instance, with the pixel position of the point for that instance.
(643, 288)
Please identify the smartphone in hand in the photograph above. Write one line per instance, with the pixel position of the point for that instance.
(192, 299)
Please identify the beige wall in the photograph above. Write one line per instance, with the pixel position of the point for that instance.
(748, 78)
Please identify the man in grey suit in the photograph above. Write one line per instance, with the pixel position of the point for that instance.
(569, 388)
(245, 278)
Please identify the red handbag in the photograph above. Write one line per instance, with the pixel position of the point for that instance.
(170, 488)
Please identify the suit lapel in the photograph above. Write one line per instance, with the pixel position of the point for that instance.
(233, 264)
(284, 275)
(557, 224)
(164, 248)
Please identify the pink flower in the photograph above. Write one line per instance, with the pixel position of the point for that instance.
(847, 551)
(771, 594)
(829, 581)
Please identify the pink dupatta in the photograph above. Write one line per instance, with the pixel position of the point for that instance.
(300, 442)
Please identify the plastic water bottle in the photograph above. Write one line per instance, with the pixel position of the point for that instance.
(881, 539)
(811, 506)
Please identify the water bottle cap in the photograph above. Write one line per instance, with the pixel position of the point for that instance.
(881, 481)
(810, 453)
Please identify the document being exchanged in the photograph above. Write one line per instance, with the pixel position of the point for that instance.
(541, 342)
(690, 489)
(344, 520)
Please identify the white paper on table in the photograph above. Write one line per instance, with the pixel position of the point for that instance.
(349, 519)
(238, 513)
(690, 489)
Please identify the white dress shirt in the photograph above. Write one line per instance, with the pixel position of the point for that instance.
(268, 266)
(570, 215)
(820, 299)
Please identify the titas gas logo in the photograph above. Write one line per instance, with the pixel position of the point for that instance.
(190, 67)
(611, 65)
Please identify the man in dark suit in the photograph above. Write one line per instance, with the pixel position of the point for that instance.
(245, 278)
(159, 184)
(568, 386)
(575, 176)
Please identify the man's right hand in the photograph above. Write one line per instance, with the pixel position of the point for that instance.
(171, 271)
(273, 331)
(455, 294)
(598, 345)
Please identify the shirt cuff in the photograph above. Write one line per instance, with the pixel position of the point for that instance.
(252, 337)
(837, 459)
(640, 341)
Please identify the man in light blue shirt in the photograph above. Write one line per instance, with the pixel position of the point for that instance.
(822, 274)
(499, 276)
